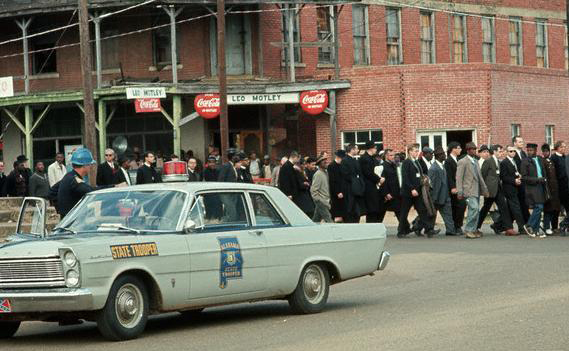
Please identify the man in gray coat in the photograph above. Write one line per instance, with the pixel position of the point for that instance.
(320, 191)
(470, 186)
(440, 191)
(39, 183)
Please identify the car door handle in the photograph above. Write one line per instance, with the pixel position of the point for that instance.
(256, 232)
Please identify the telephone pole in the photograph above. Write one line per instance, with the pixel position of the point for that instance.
(223, 121)
(89, 138)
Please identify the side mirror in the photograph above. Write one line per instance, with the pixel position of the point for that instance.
(189, 226)
(32, 217)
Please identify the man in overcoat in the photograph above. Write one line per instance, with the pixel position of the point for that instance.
(373, 199)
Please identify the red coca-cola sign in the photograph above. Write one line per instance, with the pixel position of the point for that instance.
(147, 105)
(314, 102)
(207, 105)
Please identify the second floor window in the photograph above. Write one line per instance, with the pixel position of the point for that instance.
(427, 38)
(325, 34)
(360, 32)
(541, 43)
(161, 42)
(516, 41)
(488, 38)
(45, 60)
(459, 39)
(296, 36)
(393, 29)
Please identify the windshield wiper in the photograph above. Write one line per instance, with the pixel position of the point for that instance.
(63, 229)
(119, 227)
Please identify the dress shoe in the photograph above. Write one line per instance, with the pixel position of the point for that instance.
(452, 234)
(402, 235)
(511, 232)
(432, 233)
(470, 235)
(459, 231)
(418, 233)
(479, 233)
(495, 229)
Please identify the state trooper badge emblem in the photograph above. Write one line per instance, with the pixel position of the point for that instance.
(231, 260)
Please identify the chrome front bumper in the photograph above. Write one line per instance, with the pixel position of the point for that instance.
(383, 261)
(48, 300)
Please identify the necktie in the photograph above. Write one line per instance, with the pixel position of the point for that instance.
(539, 174)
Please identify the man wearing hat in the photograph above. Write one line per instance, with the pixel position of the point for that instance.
(337, 209)
(533, 175)
(440, 191)
(470, 186)
(320, 192)
(210, 172)
(353, 186)
(267, 167)
(374, 202)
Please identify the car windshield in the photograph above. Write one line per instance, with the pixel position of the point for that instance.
(125, 211)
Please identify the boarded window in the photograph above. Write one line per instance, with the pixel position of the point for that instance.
(393, 29)
(325, 34)
(459, 39)
(541, 43)
(360, 31)
(515, 41)
(488, 39)
(427, 38)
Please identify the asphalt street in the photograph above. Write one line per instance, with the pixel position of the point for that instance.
(445, 293)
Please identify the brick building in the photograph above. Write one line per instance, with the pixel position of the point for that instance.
(396, 71)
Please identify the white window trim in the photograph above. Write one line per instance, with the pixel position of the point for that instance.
(543, 22)
(367, 41)
(550, 127)
(356, 131)
(464, 34)
(515, 126)
(493, 27)
(433, 35)
(400, 44)
(521, 39)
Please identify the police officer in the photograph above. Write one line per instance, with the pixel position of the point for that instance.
(72, 187)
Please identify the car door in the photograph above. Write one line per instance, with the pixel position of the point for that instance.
(228, 258)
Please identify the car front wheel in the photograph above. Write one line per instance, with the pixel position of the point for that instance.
(8, 329)
(311, 293)
(125, 314)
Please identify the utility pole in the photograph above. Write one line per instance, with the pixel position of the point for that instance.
(223, 121)
(89, 139)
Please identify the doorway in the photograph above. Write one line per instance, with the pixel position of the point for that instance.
(441, 138)
(460, 136)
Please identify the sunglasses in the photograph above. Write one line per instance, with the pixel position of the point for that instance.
(512, 151)
(109, 155)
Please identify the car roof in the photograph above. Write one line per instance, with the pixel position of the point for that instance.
(190, 187)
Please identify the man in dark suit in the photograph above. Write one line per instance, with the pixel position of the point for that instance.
(193, 174)
(228, 171)
(338, 209)
(353, 186)
(147, 174)
(2, 177)
(122, 176)
(106, 171)
(559, 161)
(458, 205)
(390, 190)
(373, 199)
(533, 174)
(426, 159)
(519, 144)
(511, 183)
(490, 171)
(288, 180)
(210, 172)
(412, 174)
(440, 191)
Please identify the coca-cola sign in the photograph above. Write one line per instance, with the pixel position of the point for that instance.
(314, 102)
(147, 105)
(207, 105)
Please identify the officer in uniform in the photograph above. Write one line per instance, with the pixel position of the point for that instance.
(72, 187)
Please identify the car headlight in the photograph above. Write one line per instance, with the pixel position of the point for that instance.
(70, 259)
(72, 278)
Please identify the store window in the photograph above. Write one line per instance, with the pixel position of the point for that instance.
(360, 31)
(393, 28)
(541, 51)
(360, 137)
(516, 41)
(488, 40)
(427, 37)
(459, 39)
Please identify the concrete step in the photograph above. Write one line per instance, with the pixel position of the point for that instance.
(7, 203)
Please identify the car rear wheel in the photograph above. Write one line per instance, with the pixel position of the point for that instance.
(311, 293)
(8, 329)
(125, 314)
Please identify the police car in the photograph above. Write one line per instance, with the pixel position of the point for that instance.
(123, 254)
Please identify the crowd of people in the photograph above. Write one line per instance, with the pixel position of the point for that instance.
(522, 187)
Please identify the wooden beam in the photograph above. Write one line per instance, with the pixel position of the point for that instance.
(40, 117)
(113, 110)
(15, 120)
(167, 115)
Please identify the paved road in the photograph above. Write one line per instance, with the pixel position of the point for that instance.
(444, 293)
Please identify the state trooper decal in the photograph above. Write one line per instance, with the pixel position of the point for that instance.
(231, 260)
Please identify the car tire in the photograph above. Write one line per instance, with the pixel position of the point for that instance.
(8, 329)
(311, 293)
(125, 314)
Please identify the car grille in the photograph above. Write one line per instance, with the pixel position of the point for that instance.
(31, 272)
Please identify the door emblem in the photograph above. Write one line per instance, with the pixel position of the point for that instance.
(231, 260)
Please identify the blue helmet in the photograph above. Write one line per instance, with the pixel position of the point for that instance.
(82, 157)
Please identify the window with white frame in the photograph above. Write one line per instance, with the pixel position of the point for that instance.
(325, 34)
(488, 40)
(393, 29)
(549, 134)
(427, 37)
(360, 137)
(516, 130)
(459, 39)
(516, 41)
(296, 36)
(360, 29)
(541, 43)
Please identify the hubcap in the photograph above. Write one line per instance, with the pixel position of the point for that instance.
(313, 284)
(128, 305)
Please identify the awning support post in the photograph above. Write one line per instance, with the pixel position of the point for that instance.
(24, 24)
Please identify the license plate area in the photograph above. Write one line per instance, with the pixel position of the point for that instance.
(5, 306)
